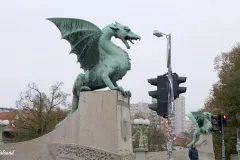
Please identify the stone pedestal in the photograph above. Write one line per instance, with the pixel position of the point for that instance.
(104, 121)
(205, 147)
(140, 153)
(101, 126)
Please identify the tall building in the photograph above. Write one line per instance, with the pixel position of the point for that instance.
(177, 121)
(179, 104)
(160, 121)
(153, 113)
(140, 107)
(188, 126)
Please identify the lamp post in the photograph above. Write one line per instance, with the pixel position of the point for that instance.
(141, 125)
(170, 89)
(3, 124)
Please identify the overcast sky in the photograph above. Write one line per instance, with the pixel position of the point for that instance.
(31, 49)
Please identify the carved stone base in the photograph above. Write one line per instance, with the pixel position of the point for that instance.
(140, 153)
(59, 151)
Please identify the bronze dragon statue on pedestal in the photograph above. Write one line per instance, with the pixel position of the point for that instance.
(103, 62)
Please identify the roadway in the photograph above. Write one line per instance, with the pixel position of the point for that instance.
(177, 155)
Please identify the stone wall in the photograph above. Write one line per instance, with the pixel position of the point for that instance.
(205, 147)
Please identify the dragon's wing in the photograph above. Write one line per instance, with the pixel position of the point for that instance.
(193, 119)
(83, 37)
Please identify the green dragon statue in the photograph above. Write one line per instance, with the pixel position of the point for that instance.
(202, 124)
(103, 62)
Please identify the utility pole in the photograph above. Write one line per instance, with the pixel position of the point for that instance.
(170, 79)
(171, 98)
(223, 146)
(170, 91)
(237, 143)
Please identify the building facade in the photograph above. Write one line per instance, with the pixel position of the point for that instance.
(141, 107)
(159, 121)
(180, 119)
(188, 126)
(7, 132)
(4, 109)
(177, 121)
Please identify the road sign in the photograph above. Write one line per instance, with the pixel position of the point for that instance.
(169, 91)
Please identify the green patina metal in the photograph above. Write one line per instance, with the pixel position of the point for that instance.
(103, 62)
(202, 124)
(1, 133)
(141, 128)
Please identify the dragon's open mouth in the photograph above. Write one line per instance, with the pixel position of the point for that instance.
(130, 39)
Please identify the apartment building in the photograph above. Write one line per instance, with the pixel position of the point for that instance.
(141, 107)
(180, 119)
(188, 126)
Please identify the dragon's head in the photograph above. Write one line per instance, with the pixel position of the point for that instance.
(124, 33)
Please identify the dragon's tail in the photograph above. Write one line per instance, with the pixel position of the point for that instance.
(78, 85)
(75, 98)
(75, 101)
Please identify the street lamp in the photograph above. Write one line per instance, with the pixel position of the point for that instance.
(3, 124)
(168, 36)
(141, 125)
(159, 34)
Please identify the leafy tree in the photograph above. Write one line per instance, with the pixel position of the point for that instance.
(225, 97)
(38, 112)
(156, 139)
(139, 115)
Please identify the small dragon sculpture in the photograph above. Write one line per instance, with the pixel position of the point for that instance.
(103, 62)
(202, 124)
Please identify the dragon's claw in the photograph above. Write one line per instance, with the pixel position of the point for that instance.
(128, 93)
(85, 88)
(125, 93)
(118, 88)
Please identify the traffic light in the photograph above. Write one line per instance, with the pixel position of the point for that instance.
(216, 123)
(224, 118)
(161, 94)
(176, 81)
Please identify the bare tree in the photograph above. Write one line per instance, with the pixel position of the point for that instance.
(39, 112)
(139, 115)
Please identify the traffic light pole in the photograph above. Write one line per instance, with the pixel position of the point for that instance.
(171, 98)
(170, 106)
(237, 143)
(223, 146)
(170, 79)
